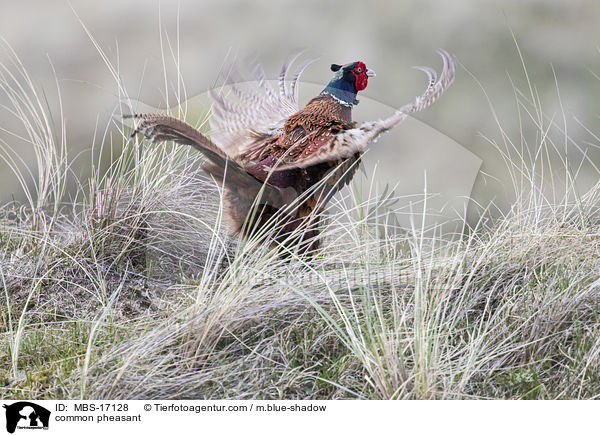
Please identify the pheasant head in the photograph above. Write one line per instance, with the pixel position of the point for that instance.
(347, 81)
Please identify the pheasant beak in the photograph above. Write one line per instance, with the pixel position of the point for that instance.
(370, 73)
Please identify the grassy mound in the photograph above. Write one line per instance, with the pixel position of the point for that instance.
(135, 290)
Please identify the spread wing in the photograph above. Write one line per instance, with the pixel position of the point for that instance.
(348, 142)
(243, 116)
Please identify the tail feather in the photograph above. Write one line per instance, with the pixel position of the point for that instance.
(160, 127)
(241, 188)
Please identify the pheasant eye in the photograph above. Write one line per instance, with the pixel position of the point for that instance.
(359, 70)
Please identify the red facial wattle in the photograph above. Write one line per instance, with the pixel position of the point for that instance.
(360, 73)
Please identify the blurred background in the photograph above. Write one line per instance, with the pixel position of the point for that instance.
(558, 39)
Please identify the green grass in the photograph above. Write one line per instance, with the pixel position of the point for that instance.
(136, 290)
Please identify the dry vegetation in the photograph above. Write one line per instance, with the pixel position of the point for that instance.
(135, 290)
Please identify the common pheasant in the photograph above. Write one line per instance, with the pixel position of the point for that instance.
(278, 164)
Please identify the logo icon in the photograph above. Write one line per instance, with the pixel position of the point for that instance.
(26, 415)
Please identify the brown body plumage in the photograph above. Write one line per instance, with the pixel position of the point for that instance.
(279, 165)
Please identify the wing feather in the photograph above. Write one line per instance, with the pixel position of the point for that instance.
(241, 114)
